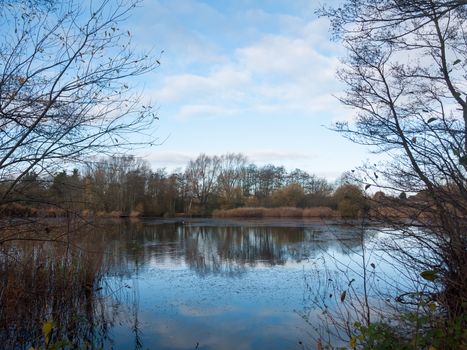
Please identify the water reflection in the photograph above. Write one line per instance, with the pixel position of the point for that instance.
(166, 284)
(225, 250)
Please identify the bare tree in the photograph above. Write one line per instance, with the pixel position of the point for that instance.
(405, 74)
(66, 71)
(231, 169)
(201, 176)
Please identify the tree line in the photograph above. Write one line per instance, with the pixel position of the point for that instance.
(127, 186)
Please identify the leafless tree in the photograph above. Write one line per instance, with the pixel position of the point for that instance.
(405, 74)
(201, 176)
(231, 169)
(67, 69)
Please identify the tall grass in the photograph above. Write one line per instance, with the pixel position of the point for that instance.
(49, 280)
(280, 212)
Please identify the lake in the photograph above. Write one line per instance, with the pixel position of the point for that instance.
(185, 284)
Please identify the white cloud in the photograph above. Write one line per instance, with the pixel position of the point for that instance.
(252, 60)
(171, 159)
(293, 71)
(243, 70)
(205, 111)
(276, 157)
(179, 88)
(177, 159)
(288, 58)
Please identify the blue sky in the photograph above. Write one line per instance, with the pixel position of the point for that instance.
(255, 77)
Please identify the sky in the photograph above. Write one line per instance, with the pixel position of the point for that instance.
(255, 77)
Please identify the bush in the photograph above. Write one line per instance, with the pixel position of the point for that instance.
(351, 202)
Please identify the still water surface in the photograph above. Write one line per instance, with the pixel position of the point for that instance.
(204, 284)
(220, 284)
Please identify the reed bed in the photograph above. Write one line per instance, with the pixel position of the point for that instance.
(280, 212)
(41, 281)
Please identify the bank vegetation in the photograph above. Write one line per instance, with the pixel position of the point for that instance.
(222, 186)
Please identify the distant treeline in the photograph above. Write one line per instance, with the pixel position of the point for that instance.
(126, 186)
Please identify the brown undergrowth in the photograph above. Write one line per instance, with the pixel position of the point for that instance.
(280, 212)
(49, 278)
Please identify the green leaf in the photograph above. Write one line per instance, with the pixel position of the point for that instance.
(432, 119)
(429, 275)
(463, 160)
(456, 62)
(47, 328)
(353, 342)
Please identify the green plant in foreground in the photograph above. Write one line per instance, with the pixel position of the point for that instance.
(424, 331)
(376, 336)
(61, 344)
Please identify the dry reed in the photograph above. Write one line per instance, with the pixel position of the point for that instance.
(280, 212)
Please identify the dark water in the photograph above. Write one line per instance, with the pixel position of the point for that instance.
(201, 284)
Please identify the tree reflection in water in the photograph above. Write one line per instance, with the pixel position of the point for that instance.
(226, 250)
(68, 283)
